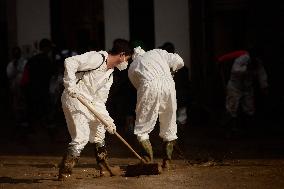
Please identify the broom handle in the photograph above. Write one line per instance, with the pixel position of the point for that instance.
(81, 99)
(126, 143)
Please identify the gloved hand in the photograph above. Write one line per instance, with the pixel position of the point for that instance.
(111, 128)
(73, 92)
(173, 73)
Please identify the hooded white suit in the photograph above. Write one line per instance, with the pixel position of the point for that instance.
(86, 74)
(150, 73)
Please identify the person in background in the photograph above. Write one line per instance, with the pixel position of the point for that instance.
(36, 79)
(14, 71)
(246, 71)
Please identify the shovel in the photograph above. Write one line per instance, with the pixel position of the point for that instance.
(132, 170)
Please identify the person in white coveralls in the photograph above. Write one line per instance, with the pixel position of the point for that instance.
(151, 74)
(90, 75)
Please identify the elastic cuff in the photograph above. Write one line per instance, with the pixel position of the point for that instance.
(100, 144)
(73, 152)
(169, 139)
(142, 137)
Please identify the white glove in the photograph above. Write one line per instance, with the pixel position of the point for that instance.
(173, 73)
(73, 92)
(111, 128)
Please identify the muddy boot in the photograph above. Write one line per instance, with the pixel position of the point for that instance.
(66, 166)
(105, 168)
(147, 151)
(168, 148)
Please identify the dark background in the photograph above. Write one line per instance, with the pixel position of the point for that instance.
(216, 27)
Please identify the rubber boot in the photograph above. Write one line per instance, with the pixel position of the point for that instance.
(104, 167)
(168, 148)
(147, 151)
(66, 166)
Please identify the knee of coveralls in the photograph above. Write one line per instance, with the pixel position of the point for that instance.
(168, 126)
(167, 118)
(248, 104)
(79, 131)
(232, 104)
(145, 121)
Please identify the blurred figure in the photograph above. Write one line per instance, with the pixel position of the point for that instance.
(14, 70)
(56, 87)
(90, 75)
(246, 71)
(150, 73)
(37, 75)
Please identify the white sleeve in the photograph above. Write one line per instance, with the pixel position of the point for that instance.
(84, 62)
(174, 60)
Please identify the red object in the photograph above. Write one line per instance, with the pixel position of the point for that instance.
(231, 55)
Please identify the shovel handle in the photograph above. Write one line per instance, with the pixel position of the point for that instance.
(85, 103)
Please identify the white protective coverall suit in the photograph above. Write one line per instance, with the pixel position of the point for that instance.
(86, 74)
(240, 88)
(150, 73)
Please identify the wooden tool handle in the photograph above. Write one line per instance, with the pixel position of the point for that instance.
(85, 103)
(126, 143)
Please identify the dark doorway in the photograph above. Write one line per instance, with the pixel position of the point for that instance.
(3, 42)
(78, 25)
(141, 18)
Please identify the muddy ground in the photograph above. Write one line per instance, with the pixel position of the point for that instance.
(248, 160)
(40, 172)
(252, 158)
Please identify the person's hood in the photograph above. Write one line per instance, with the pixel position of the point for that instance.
(138, 51)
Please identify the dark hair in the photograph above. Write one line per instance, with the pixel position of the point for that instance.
(45, 43)
(121, 45)
(168, 46)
